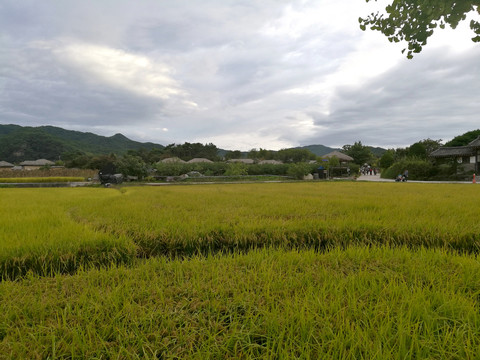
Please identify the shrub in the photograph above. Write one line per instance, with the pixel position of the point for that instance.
(236, 168)
(299, 170)
(268, 169)
(417, 169)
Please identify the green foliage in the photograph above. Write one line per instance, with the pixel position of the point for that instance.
(422, 149)
(236, 154)
(414, 21)
(102, 162)
(262, 154)
(417, 169)
(333, 162)
(318, 150)
(387, 159)
(31, 143)
(188, 151)
(299, 170)
(360, 154)
(148, 156)
(130, 165)
(268, 169)
(236, 168)
(354, 168)
(417, 150)
(294, 155)
(464, 139)
(48, 142)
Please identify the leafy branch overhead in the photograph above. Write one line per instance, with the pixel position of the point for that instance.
(414, 21)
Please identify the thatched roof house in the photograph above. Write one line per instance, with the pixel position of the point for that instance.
(35, 164)
(172, 160)
(4, 164)
(273, 162)
(341, 156)
(199, 160)
(39, 162)
(243, 161)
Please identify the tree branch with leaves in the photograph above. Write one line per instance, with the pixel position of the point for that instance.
(414, 21)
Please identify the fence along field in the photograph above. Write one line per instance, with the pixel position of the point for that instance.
(391, 284)
(50, 230)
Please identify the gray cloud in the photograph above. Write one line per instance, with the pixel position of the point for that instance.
(241, 74)
(433, 96)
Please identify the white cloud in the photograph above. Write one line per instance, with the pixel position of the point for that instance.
(118, 68)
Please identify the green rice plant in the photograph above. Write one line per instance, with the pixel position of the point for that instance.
(46, 230)
(50, 179)
(38, 234)
(354, 303)
(183, 220)
(47, 172)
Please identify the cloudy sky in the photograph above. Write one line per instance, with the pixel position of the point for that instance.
(241, 74)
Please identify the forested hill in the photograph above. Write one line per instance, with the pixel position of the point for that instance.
(19, 143)
(318, 150)
(321, 150)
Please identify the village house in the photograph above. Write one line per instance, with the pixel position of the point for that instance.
(272, 162)
(467, 157)
(35, 164)
(199, 160)
(342, 158)
(5, 165)
(243, 161)
(172, 160)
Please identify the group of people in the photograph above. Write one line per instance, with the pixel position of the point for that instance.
(368, 170)
(402, 177)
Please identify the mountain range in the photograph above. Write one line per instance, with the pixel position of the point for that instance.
(19, 143)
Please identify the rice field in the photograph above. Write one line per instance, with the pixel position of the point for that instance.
(189, 219)
(241, 271)
(50, 179)
(38, 234)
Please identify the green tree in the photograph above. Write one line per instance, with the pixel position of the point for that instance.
(360, 154)
(333, 162)
(414, 21)
(387, 159)
(188, 151)
(234, 154)
(299, 170)
(422, 149)
(131, 165)
(294, 155)
(464, 139)
(236, 168)
(103, 162)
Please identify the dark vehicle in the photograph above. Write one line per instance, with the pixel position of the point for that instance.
(109, 175)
